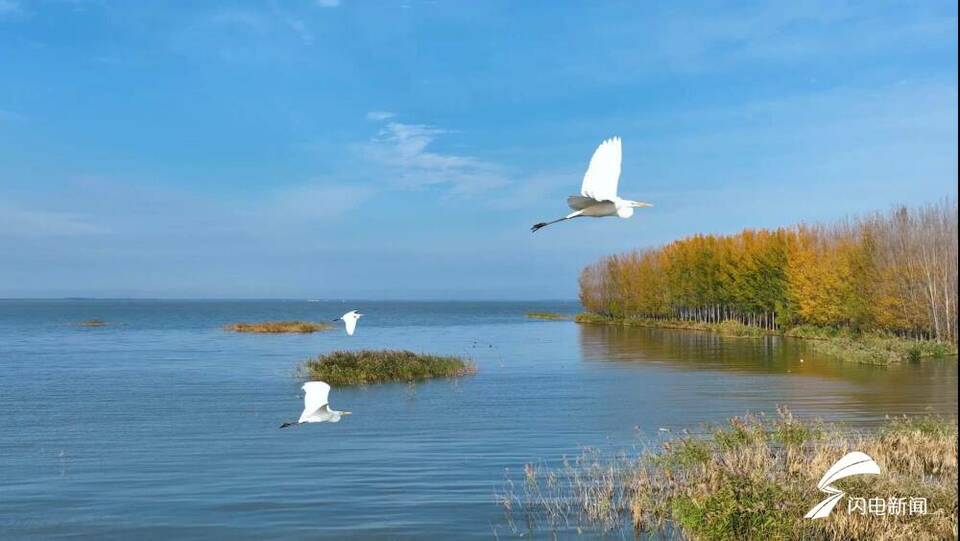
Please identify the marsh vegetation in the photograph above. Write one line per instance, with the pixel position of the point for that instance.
(754, 478)
(363, 367)
(548, 315)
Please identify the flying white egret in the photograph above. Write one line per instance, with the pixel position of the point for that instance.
(350, 320)
(598, 194)
(316, 408)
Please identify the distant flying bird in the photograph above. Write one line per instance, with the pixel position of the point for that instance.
(598, 194)
(316, 409)
(350, 320)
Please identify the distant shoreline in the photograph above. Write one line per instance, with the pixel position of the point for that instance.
(864, 348)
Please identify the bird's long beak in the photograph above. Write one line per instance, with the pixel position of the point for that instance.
(346, 413)
(338, 319)
(642, 204)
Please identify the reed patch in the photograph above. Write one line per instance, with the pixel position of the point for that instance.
(753, 478)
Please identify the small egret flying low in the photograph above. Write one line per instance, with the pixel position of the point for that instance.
(316, 409)
(598, 194)
(350, 320)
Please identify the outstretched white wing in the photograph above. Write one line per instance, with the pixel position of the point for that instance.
(351, 324)
(350, 321)
(600, 181)
(315, 395)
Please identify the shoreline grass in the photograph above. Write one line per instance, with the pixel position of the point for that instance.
(278, 327)
(362, 367)
(753, 478)
(864, 348)
(553, 316)
(92, 323)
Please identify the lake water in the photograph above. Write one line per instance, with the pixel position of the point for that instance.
(161, 425)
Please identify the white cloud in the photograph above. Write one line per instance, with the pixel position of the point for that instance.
(401, 150)
(380, 115)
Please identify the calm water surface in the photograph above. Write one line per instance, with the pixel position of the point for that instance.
(161, 425)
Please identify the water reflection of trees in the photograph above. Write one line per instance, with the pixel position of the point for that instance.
(929, 380)
(692, 349)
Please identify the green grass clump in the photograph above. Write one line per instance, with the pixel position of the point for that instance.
(381, 366)
(92, 323)
(754, 479)
(547, 315)
(683, 453)
(277, 327)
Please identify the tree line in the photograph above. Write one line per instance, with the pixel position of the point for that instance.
(890, 271)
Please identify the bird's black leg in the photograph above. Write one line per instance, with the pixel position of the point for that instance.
(537, 227)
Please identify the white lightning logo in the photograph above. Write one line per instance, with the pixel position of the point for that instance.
(855, 463)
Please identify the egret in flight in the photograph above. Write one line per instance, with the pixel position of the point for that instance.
(350, 320)
(598, 194)
(316, 409)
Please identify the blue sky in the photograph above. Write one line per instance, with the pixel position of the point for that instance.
(352, 149)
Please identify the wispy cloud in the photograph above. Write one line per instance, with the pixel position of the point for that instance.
(10, 116)
(318, 201)
(244, 35)
(401, 150)
(380, 115)
(10, 8)
(20, 222)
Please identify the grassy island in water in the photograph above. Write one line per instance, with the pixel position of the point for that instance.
(278, 327)
(362, 367)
